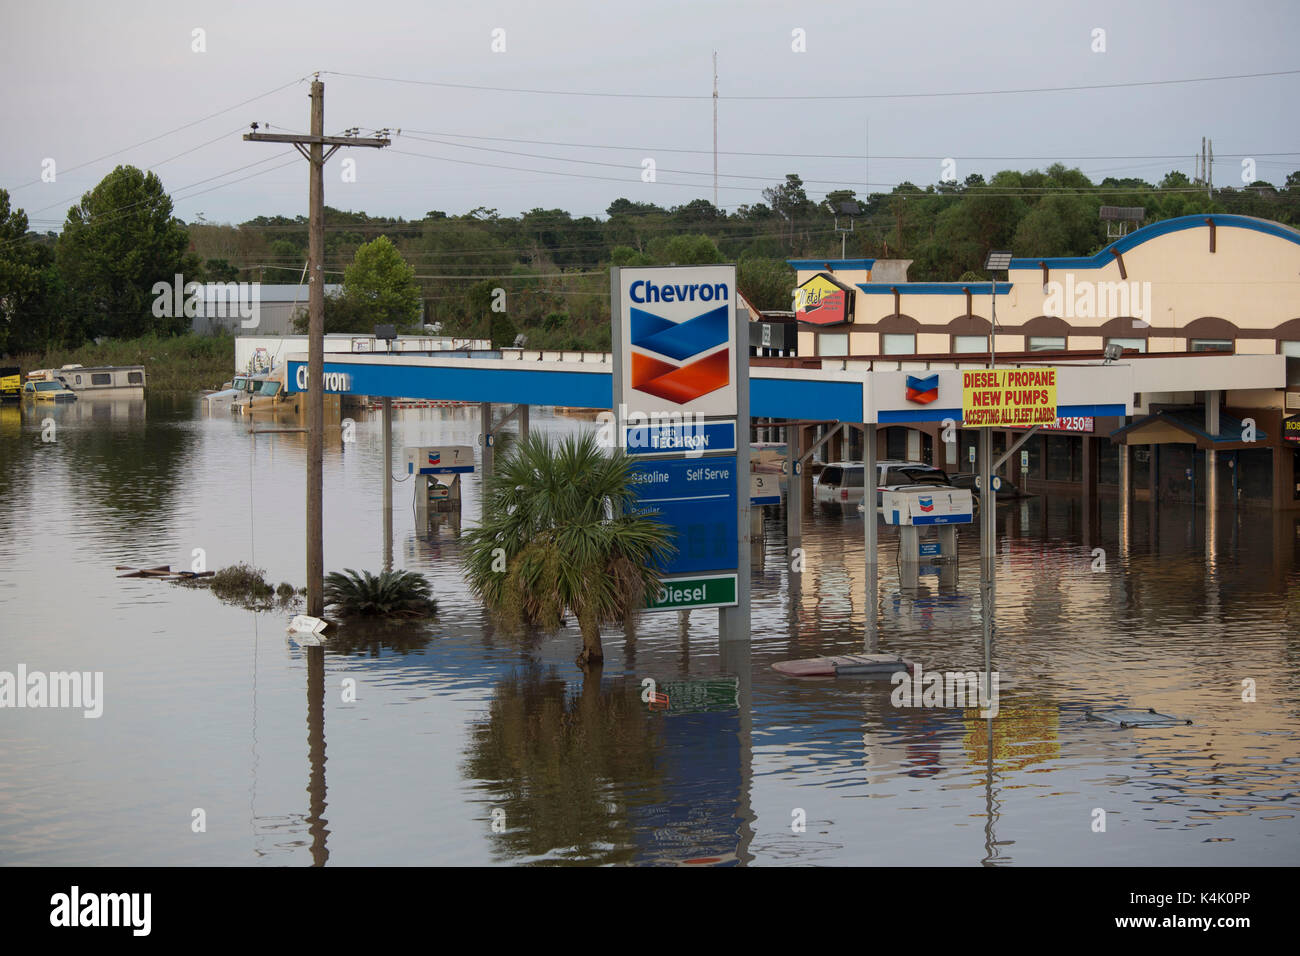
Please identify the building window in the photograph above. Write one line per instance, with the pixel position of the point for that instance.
(1139, 344)
(1291, 349)
(135, 378)
(1210, 345)
(833, 345)
(1047, 343)
(898, 344)
(970, 343)
(101, 378)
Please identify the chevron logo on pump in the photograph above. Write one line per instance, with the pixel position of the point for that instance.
(665, 362)
(922, 390)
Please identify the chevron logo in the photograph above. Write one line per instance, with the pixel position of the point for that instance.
(922, 390)
(678, 379)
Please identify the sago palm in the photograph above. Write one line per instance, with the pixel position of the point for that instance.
(387, 594)
(560, 535)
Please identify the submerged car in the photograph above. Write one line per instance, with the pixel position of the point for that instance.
(841, 482)
(1003, 487)
(48, 392)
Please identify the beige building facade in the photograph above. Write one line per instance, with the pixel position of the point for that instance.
(1214, 284)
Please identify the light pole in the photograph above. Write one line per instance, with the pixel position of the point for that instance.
(996, 262)
(850, 209)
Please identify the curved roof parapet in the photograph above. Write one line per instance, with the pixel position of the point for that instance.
(844, 265)
(933, 288)
(1155, 231)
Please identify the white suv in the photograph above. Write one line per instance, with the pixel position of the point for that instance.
(840, 482)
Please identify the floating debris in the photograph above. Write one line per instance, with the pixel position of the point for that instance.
(163, 572)
(846, 665)
(307, 631)
(1136, 718)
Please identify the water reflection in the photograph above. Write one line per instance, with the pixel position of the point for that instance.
(455, 717)
(571, 769)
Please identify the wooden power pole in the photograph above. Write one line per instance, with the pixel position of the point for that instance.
(313, 148)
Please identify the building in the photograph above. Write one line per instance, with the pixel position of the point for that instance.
(252, 308)
(1185, 288)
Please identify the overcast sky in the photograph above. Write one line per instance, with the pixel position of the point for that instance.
(86, 80)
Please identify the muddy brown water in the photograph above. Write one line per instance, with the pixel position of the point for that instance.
(466, 746)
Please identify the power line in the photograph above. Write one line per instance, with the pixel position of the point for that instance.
(152, 139)
(1001, 191)
(556, 172)
(688, 172)
(113, 215)
(817, 96)
(725, 152)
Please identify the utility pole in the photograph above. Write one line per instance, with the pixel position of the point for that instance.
(313, 148)
(715, 129)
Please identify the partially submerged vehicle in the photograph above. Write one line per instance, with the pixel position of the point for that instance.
(108, 381)
(41, 390)
(236, 388)
(1002, 487)
(842, 482)
(11, 384)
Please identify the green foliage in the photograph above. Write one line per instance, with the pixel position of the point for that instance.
(241, 584)
(382, 285)
(173, 364)
(96, 279)
(387, 594)
(767, 283)
(118, 241)
(561, 536)
(21, 277)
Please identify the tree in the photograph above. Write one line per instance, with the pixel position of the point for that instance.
(685, 251)
(560, 535)
(382, 286)
(20, 274)
(767, 283)
(117, 243)
(1061, 224)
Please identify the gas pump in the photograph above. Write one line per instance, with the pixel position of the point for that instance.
(913, 508)
(437, 474)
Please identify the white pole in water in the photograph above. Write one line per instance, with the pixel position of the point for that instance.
(869, 533)
(388, 483)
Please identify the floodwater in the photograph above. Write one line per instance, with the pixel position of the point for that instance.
(222, 742)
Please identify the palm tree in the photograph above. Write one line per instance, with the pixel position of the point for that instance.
(560, 535)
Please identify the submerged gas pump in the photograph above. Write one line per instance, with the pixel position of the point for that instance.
(918, 506)
(437, 474)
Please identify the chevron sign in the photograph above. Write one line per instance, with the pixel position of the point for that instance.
(678, 339)
(922, 389)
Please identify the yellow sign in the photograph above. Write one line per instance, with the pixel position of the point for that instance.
(1002, 397)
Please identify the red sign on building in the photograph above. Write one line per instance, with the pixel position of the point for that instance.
(823, 300)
